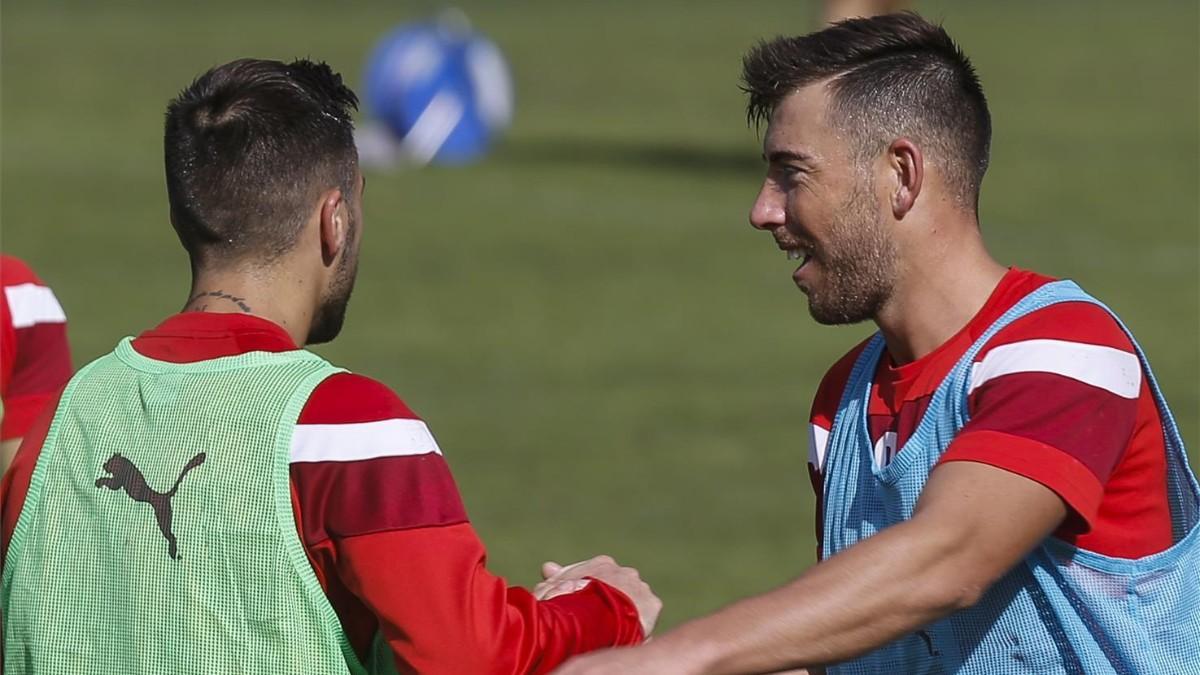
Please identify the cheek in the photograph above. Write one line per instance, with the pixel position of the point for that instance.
(810, 209)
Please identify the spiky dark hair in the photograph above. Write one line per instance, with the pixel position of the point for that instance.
(248, 145)
(889, 76)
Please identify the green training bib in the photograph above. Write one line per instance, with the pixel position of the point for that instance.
(158, 534)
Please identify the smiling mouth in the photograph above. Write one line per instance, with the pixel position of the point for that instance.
(800, 253)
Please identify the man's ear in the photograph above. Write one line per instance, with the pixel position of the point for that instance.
(334, 225)
(907, 165)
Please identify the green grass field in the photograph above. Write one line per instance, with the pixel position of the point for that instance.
(611, 358)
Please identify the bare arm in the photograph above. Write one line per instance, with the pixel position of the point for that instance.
(972, 524)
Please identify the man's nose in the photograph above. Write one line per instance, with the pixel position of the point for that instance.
(767, 212)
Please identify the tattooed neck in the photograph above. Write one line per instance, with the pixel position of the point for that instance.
(200, 301)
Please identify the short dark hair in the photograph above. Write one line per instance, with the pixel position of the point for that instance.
(889, 76)
(249, 146)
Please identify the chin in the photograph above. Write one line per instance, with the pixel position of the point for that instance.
(836, 316)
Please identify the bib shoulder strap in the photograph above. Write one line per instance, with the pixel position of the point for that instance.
(864, 370)
(958, 381)
(956, 384)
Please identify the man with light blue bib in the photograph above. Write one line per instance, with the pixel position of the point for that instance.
(1002, 487)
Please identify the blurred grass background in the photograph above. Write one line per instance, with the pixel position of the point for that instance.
(612, 360)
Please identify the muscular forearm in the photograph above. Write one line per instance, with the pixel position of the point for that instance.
(885, 587)
(972, 524)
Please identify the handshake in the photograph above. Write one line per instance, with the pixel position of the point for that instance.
(560, 580)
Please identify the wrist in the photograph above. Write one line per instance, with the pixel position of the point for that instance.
(627, 626)
(687, 654)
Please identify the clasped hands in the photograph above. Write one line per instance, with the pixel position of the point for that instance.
(560, 580)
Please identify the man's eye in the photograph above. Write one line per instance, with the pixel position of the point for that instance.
(790, 173)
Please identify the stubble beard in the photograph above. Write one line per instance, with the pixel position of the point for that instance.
(331, 314)
(858, 259)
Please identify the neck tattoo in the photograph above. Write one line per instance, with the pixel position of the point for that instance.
(199, 302)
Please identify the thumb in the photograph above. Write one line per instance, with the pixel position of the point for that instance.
(550, 568)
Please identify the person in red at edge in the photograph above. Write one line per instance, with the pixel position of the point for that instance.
(35, 359)
(876, 144)
(266, 196)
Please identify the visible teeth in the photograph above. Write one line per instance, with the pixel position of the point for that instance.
(794, 254)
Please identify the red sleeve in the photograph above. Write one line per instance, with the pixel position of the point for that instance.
(443, 612)
(8, 346)
(388, 536)
(824, 410)
(37, 358)
(1055, 398)
(15, 484)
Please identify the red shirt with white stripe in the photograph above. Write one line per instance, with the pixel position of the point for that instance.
(384, 526)
(1058, 396)
(35, 361)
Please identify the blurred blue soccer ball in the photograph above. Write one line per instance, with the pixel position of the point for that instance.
(444, 90)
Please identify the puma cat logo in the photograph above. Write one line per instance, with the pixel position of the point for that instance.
(128, 477)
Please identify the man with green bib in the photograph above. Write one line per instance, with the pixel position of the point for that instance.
(212, 498)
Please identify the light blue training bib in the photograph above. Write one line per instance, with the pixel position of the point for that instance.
(1063, 610)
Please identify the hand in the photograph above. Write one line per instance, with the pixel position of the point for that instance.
(553, 588)
(560, 580)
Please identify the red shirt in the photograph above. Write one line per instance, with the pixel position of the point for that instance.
(1058, 396)
(384, 526)
(35, 361)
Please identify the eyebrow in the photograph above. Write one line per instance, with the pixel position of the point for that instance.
(780, 156)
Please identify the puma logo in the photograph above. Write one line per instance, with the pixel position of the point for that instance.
(128, 477)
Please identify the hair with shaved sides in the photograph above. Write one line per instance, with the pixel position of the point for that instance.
(889, 76)
(250, 146)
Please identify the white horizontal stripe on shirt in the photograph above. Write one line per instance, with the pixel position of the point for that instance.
(1113, 370)
(31, 304)
(364, 440)
(818, 439)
